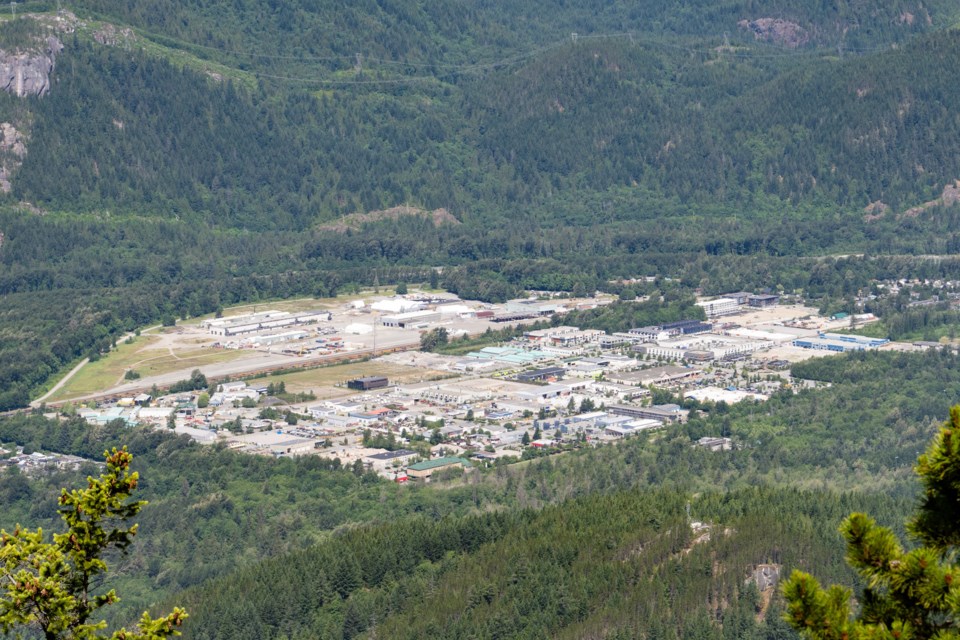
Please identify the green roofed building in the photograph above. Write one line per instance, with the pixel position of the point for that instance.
(423, 470)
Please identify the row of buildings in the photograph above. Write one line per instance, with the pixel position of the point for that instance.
(731, 303)
(262, 321)
(840, 342)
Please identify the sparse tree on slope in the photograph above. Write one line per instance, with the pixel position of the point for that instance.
(53, 586)
(909, 594)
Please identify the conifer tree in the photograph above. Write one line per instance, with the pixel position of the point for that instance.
(909, 594)
(52, 587)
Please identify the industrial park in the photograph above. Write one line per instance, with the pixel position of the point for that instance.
(346, 379)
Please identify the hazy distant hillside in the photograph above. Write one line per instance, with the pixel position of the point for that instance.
(249, 117)
(705, 127)
(140, 135)
(456, 31)
(133, 133)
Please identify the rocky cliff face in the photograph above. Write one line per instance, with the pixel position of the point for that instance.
(12, 150)
(777, 31)
(26, 63)
(28, 73)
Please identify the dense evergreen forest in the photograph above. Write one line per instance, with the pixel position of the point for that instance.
(624, 565)
(433, 33)
(660, 140)
(680, 132)
(803, 147)
(212, 512)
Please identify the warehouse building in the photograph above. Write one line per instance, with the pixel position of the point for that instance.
(719, 307)
(423, 470)
(542, 375)
(686, 327)
(381, 461)
(410, 319)
(839, 343)
(659, 376)
(397, 305)
(763, 301)
(855, 339)
(661, 412)
(533, 307)
(239, 325)
(275, 338)
(368, 383)
(702, 348)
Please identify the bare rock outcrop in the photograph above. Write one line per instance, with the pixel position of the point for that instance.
(875, 210)
(778, 31)
(12, 151)
(357, 220)
(11, 140)
(765, 576)
(27, 73)
(948, 197)
(111, 36)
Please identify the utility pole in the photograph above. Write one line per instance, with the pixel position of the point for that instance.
(13, 9)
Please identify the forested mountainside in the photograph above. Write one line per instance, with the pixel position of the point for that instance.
(164, 159)
(721, 158)
(452, 31)
(624, 565)
(351, 552)
(132, 133)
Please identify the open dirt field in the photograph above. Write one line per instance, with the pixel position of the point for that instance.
(330, 382)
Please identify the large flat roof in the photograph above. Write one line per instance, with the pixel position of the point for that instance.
(390, 455)
(438, 462)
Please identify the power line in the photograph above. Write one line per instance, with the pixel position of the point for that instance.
(350, 58)
(451, 69)
(632, 36)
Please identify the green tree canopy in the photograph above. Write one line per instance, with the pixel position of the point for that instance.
(52, 586)
(908, 594)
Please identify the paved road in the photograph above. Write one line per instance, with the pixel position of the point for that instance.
(64, 380)
(256, 363)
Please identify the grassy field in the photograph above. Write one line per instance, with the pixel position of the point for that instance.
(323, 381)
(142, 357)
(932, 334)
(150, 355)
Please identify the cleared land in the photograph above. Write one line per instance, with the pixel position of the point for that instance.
(293, 305)
(324, 381)
(146, 356)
